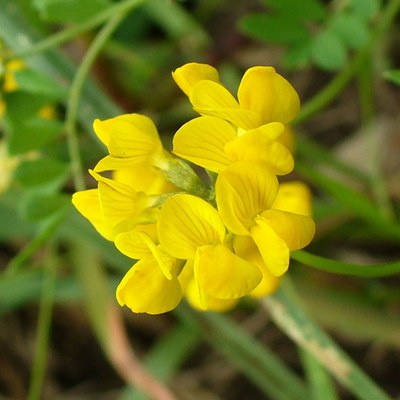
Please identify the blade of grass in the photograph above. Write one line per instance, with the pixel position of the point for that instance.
(320, 382)
(254, 360)
(44, 325)
(343, 268)
(288, 313)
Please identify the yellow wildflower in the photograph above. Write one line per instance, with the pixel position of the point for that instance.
(213, 143)
(263, 96)
(245, 194)
(191, 229)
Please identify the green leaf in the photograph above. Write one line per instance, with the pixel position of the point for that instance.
(46, 173)
(31, 134)
(351, 29)
(273, 29)
(393, 76)
(365, 9)
(305, 10)
(328, 51)
(36, 206)
(298, 56)
(69, 10)
(32, 81)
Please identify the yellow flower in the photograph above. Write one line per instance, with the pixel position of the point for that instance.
(131, 139)
(214, 144)
(152, 284)
(114, 208)
(191, 229)
(263, 96)
(245, 194)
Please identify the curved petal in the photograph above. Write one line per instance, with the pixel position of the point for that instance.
(187, 222)
(294, 197)
(189, 74)
(144, 178)
(258, 145)
(88, 204)
(145, 289)
(202, 141)
(224, 275)
(122, 207)
(129, 135)
(244, 190)
(208, 304)
(213, 99)
(273, 249)
(264, 91)
(246, 248)
(296, 230)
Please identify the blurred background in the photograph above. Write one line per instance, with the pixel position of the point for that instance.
(63, 64)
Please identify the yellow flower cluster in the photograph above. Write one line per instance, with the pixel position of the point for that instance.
(212, 243)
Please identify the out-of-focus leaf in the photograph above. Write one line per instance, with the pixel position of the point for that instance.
(273, 29)
(46, 173)
(328, 51)
(351, 29)
(34, 82)
(306, 10)
(298, 56)
(393, 76)
(366, 9)
(31, 134)
(36, 206)
(69, 10)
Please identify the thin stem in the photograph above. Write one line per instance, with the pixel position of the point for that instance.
(69, 33)
(337, 84)
(343, 268)
(44, 326)
(75, 93)
(288, 313)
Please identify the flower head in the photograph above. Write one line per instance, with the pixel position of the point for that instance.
(263, 96)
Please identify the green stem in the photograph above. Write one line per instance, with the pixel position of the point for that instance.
(289, 315)
(75, 93)
(343, 268)
(44, 326)
(337, 84)
(69, 33)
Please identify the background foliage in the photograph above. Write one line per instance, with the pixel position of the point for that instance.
(62, 336)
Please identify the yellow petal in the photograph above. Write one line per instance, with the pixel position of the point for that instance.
(211, 98)
(122, 207)
(246, 248)
(273, 249)
(259, 145)
(294, 197)
(267, 93)
(224, 275)
(296, 230)
(144, 178)
(187, 222)
(189, 74)
(129, 135)
(202, 141)
(88, 204)
(243, 190)
(145, 289)
(211, 303)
